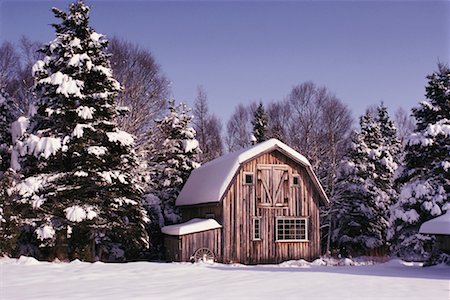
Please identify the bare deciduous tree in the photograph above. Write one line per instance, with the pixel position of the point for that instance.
(306, 103)
(145, 88)
(214, 129)
(335, 125)
(239, 128)
(278, 114)
(405, 124)
(208, 128)
(16, 62)
(8, 62)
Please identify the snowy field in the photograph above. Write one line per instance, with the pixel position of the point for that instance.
(27, 278)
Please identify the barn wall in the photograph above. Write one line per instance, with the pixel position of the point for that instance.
(172, 248)
(239, 208)
(181, 248)
(202, 211)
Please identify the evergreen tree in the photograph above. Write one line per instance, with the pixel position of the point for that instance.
(425, 177)
(8, 219)
(387, 160)
(365, 187)
(388, 132)
(8, 113)
(78, 195)
(176, 159)
(259, 123)
(353, 232)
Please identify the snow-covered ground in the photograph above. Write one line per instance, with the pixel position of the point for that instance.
(27, 278)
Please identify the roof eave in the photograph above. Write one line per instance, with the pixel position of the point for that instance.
(199, 204)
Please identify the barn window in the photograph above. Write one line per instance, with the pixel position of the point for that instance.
(248, 178)
(292, 229)
(256, 229)
(296, 180)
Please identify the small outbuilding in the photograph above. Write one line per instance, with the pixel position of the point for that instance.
(440, 227)
(256, 205)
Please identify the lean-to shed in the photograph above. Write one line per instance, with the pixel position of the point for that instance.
(266, 201)
(440, 227)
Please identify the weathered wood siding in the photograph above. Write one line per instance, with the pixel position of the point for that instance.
(181, 248)
(172, 247)
(242, 203)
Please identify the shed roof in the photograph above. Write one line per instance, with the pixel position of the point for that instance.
(439, 225)
(191, 226)
(209, 182)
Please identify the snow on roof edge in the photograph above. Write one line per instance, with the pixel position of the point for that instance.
(223, 169)
(438, 225)
(303, 160)
(227, 181)
(191, 226)
(277, 144)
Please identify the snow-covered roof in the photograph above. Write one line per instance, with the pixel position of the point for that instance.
(209, 182)
(191, 226)
(439, 225)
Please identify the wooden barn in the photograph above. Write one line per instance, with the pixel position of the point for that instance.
(256, 205)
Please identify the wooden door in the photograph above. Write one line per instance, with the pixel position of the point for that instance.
(272, 187)
(272, 196)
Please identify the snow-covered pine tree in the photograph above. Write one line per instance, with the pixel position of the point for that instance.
(78, 195)
(176, 159)
(386, 163)
(388, 132)
(353, 233)
(8, 219)
(364, 189)
(8, 114)
(425, 177)
(259, 123)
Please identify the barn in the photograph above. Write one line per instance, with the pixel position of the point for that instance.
(256, 205)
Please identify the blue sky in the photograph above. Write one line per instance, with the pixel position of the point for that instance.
(364, 52)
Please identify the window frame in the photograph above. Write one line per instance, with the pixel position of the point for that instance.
(305, 219)
(254, 238)
(245, 178)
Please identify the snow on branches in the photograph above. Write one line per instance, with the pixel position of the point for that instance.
(425, 178)
(365, 186)
(76, 164)
(176, 159)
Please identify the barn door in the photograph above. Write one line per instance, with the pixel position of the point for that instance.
(272, 185)
(272, 192)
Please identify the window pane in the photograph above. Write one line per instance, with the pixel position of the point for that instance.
(291, 229)
(256, 229)
(249, 178)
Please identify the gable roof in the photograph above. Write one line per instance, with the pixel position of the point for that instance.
(209, 182)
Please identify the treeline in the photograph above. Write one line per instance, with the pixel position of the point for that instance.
(94, 154)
